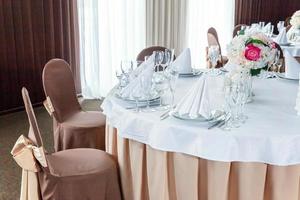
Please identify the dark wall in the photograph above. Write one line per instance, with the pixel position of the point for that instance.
(31, 33)
(250, 11)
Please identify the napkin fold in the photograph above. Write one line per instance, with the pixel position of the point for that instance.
(144, 70)
(205, 96)
(183, 61)
(281, 38)
(292, 66)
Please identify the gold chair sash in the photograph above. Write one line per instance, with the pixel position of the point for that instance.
(28, 157)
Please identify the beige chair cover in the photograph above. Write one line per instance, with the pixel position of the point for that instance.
(65, 175)
(147, 173)
(73, 128)
(213, 40)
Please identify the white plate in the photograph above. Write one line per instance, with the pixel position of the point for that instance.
(194, 72)
(154, 98)
(200, 118)
(285, 44)
(282, 76)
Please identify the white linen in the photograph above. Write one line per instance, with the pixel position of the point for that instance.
(281, 38)
(292, 66)
(204, 97)
(297, 107)
(145, 70)
(183, 61)
(270, 135)
(294, 50)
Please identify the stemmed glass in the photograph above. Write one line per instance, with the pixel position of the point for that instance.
(214, 56)
(172, 74)
(137, 95)
(160, 85)
(146, 86)
(158, 59)
(127, 68)
(168, 57)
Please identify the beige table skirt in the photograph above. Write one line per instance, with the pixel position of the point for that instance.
(147, 173)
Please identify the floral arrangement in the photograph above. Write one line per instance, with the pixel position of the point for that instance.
(295, 20)
(251, 51)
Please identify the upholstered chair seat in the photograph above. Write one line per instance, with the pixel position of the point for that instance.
(73, 127)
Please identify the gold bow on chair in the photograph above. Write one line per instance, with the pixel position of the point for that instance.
(28, 157)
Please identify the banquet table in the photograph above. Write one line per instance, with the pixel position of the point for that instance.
(177, 159)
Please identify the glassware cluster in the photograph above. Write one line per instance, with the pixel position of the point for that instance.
(163, 80)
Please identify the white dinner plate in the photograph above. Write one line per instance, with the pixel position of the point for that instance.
(152, 99)
(194, 72)
(200, 118)
(285, 44)
(282, 76)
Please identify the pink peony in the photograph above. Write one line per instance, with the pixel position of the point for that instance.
(252, 52)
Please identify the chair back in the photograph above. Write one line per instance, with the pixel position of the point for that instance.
(34, 131)
(287, 21)
(148, 52)
(288, 28)
(59, 86)
(212, 38)
(237, 28)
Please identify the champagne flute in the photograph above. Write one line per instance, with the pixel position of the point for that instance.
(214, 57)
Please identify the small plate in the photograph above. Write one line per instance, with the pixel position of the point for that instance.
(200, 118)
(194, 72)
(285, 44)
(282, 76)
(152, 99)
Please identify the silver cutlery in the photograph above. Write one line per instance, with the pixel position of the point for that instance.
(216, 124)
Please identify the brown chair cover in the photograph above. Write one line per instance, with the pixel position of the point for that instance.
(75, 173)
(287, 21)
(148, 52)
(288, 28)
(213, 40)
(73, 128)
(282, 69)
(237, 28)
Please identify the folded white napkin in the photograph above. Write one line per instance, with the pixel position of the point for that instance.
(267, 27)
(281, 38)
(297, 107)
(146, 70)
(292, 66)
(205, 96)
(183, 61)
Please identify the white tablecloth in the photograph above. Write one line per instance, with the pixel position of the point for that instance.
(271, 134)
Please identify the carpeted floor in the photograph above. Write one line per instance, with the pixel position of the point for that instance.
(11, 127)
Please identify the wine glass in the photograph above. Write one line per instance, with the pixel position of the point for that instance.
(161, 85)
(172, 74)
(167, 58)
(137, 95)
(214, 56)
(146, 86)
(158, 59)
(126, 67)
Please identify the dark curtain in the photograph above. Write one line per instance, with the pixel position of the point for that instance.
(31, 33)
(251, 11)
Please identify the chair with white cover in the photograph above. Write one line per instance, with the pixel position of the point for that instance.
(292, 65)
(73, 127)
(73, 174)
